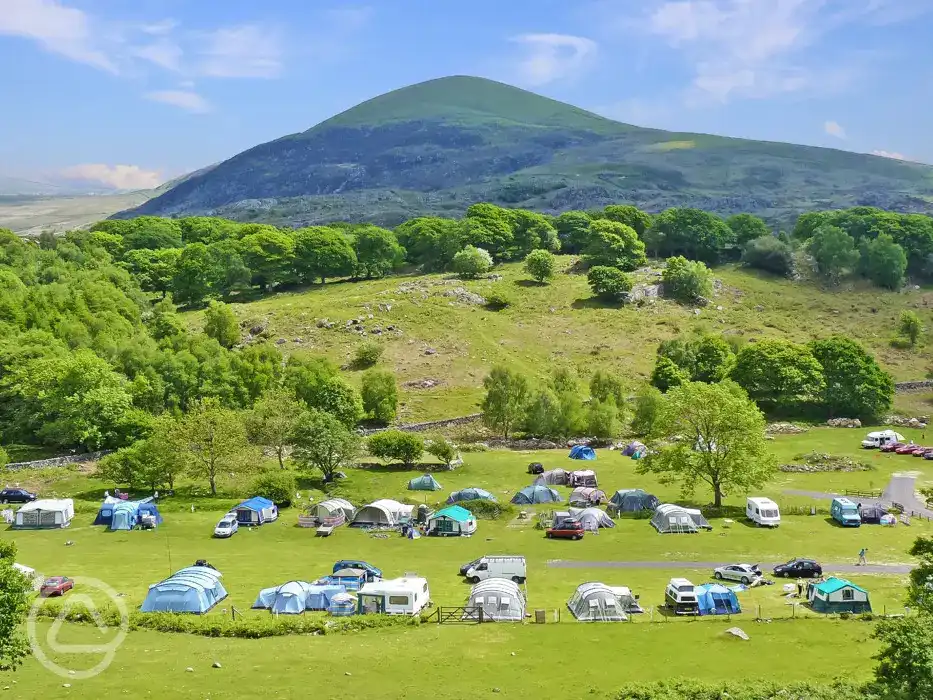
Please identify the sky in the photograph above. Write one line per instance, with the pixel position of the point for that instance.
(130, 93)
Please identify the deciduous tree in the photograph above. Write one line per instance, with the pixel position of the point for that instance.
(540, 265)
(14, 606)
(273, 419)
(507, 393)
(215, 442)
(778, 374)
(834, 252)
(322, 252)
(380, 395)
(220, 324)
(854, 385)
(612, 244)
(322, 442)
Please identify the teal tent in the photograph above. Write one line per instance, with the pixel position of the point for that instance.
(424, 483)
(836, 595)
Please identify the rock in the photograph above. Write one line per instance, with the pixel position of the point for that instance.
(844, 423)
(189, 670)
(257, 329)
(390, 328)
(495, 278)
(696, 312)
(297, 340)
(369, 316)
(216, 664)
(347, 673)
(377, 330)
(513, 653)
(430, 351)
(385, 308)
(784, 429)
(702, 301)
(325, 323)
(281, 341)
(464, 296)
(496, 690)
(66, 685)
(759, 308)
(719, 308)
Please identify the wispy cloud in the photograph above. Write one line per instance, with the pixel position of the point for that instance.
(834, 129)
(121, 177)
(551, 57)
(185, 99)
(246, 51)
(163, 53)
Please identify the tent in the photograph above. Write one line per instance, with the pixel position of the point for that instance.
(105, 514)
(351, 579)
(149, 513)
(118, 514)
(591, 518)
(45, 513)
(384, 512)
(531, 495)
(632, 501)
(836, 595)
(424, 483)
(256, 511)
(196, 589)
(670, 518)
(294, 597)
(596, 602)
(552, 477)
(470, 494)
(582, 477)
(333, 507)
(871, 513)
(452, 520)
(634, 449)
(586, 496)
(342, 605)
(716, 599)
(698, 519)
(500, 599)
(582, 452)
(125, 515)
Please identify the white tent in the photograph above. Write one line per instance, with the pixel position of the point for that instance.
(587, 496)
(45, 514)
(385, 511)
(332, 507)
(672, 518)
(596, 602)
(553, 477)
(592, 518)
(500, 599)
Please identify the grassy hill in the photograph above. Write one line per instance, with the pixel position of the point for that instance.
(438, 146)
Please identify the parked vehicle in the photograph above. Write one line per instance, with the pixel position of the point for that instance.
(56, 586)
(680, 596)
(881, 438)
(227, 527)
(17, 495)
(928, 455)
(799, 568)
(923, 451)
(565, 529)
(891, 446)
(469, 565)
(400, 596)
(763, 511)
(510, 567)
(845, 512)
(744, 573)
(905, 449)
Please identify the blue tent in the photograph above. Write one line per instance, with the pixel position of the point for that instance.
(256, 511)
(716, 599)
(150, 509)
(536, 494)
(125, 515)
(196, 589)
(294, 597)
(105, 514)
(582, 452)
(470, 494)
(350, 579)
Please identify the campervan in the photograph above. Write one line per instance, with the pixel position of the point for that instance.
(880, 438)
(510, 567)
(400, 596)
(681, 597)
(763, 511)
(845, 512)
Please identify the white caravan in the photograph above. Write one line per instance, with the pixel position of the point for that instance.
(510, 567)
(880, 438)
(763, 511)
(398, 596)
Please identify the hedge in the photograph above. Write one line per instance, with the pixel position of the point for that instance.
(744, 690)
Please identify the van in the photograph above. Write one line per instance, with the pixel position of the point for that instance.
(498, 566)
(845, 512)
(680, 596)
(763, 511)
(880, 438)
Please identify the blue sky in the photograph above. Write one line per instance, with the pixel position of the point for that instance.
(130, 93)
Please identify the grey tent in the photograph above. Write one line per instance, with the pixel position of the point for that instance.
(871, 513)
(424, 483)
(552, 477)
(582, 477)
(698, 519)
(632, 501)
(596, 602)
(591, 518)
(669, 518)
(584, 496)
(500, 599)
(470, 494)
(536, 494)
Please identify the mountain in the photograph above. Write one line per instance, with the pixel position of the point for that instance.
(439, 146)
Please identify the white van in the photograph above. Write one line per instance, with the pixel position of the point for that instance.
(763, 511)
(398, 596)
(880, 438)
(498, 566)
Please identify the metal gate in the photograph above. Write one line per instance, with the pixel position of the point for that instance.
(460, 616)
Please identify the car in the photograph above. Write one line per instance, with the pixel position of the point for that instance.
(923, 451)
(799, 568)
(17, 495)
(469, 565)
(928, 455)
(745, 573)
(905, 449)
(226, 527)
(56, 586)
(892, 446)
(565, 530)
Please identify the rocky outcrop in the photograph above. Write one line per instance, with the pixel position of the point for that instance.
(785, 429)
(844, 423)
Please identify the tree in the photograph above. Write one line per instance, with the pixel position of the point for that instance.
(769, 254)
(430, 241)
(543, 414)
(648, 402)
(269, 253)
(747, 227)
(273, 419)
(609, 283)
(666, 374)
(380, 395)
(506, 396)
(488, 227)
(215, 441)
(229, 272)
(532, 231)
(905, 660)
(573, 230)
(606, 385)
(322, 442)
(629, 215)
(602, 419)
(692, 233)
(322, 252)
(318, 384)
(884, 262)
(854, 385)
(193, 274)
(614, 245)
(712, 358)
(686, 281)
(15, 592)
(220, 324)
(377, 251)
(471, 262)
(152, 232)
(909, 326)
(540, 265)
(779, 374)
(368, 354)
(442, 448)
(153, 269)
(278, 486)
(834, 252)
(721, 440)
(406, 448)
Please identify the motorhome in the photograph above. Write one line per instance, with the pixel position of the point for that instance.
(680, 596)
(880, 438)
(763, 511)
(499, 566)
(845, 512)
(398, 596)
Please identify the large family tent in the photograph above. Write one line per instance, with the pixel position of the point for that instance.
(452, 520)
(582, 477)
(256, 511)
(552, 477)
(596, 602)
(635, 450)
(716, 599)
(500, 600)
(125, 515)
(591, 518)
(582, 452)
(45, 513)
(531, 495)
(836, 595)
(586, 496)
(871, 513)
(384, 512)
(332, 508)
(670, 518)
(295, 597)
(470, 494)
(424, 483)
(196, 589)
(342, 605)
(632, 501)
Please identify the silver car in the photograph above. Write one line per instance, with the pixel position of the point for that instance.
(744, 573)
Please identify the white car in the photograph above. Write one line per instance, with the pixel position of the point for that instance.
(226, 527)
(744, 573)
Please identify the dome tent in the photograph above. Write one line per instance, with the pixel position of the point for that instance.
(470, 494)
(552, 477)
(531, 495)
(632, 501)
(716, 599)
(634, 449)
(584, 496)
(591, 518)
(333, 507)
(596, 602)
(295, 597)
(195, 589)
(424, 483)
(582, 452)
(500, 599)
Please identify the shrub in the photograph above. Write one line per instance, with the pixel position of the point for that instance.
(278, 486)
(910, 327)
(609, 283)
(540, 265)
(380, 395)
(769, 254)
(4, 457)
(220, 324)
(443, 449)
(368, 354)
(397, 445)
(471, 262)
(686, 281)
(497, 299)
(487, 510)
(648, 404)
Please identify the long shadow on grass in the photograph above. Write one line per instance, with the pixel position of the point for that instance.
(594, 303)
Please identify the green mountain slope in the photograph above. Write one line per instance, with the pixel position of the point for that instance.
(437, 147)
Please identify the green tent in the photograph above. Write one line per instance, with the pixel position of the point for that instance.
(424, 483)
(452, 520)
(836, 595)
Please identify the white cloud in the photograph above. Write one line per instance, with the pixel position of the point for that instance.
(159, 28)
(186, 99)
(889, 154)
(551, 57)
(163, 53)
(246, 51)
(122, 177)
(834, 129)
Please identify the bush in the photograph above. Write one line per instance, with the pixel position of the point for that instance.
(769, 254)
(443, 449)
(278, 486)
(741, 690)
(368, 354)
(471, 262)
(497, 299)
(609, 283)
(380, 395)
(686, 281)
(648, 404)
(4, 457)
(488, 510)
(397, 445)
(220, 324)
(540, 265)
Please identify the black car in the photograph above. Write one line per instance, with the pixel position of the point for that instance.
(469, 565)
(799, 568)
(16, 496)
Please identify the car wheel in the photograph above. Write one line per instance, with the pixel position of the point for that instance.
(578, 537)
(745, 580)
(519, 579)
(717, 576)
(474, 579)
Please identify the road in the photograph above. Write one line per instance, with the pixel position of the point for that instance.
(765, 566)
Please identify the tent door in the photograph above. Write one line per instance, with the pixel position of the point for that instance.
(445, 525)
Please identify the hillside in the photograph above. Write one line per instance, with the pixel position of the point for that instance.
(437, 147)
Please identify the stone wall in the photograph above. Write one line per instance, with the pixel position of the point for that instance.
(58, 461)
(907, 387)
(431, 425)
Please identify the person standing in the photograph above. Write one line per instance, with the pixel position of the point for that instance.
(799, 587)
(862, 561)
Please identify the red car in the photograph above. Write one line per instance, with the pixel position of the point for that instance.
(56, 586)
(906, 449)
(892, 446)
(566, 530)
(922, 451)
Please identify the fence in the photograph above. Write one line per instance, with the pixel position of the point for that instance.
(864, 494)
(457, 615)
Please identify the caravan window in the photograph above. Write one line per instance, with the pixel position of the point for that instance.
(504, 603)
(398, 600)
(425, 590)
(770, 513)
(757, 512)
(848, 594)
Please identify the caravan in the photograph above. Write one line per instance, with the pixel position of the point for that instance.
(763, 511)
(400, 596)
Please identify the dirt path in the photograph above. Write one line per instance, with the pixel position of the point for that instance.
(765, 566)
